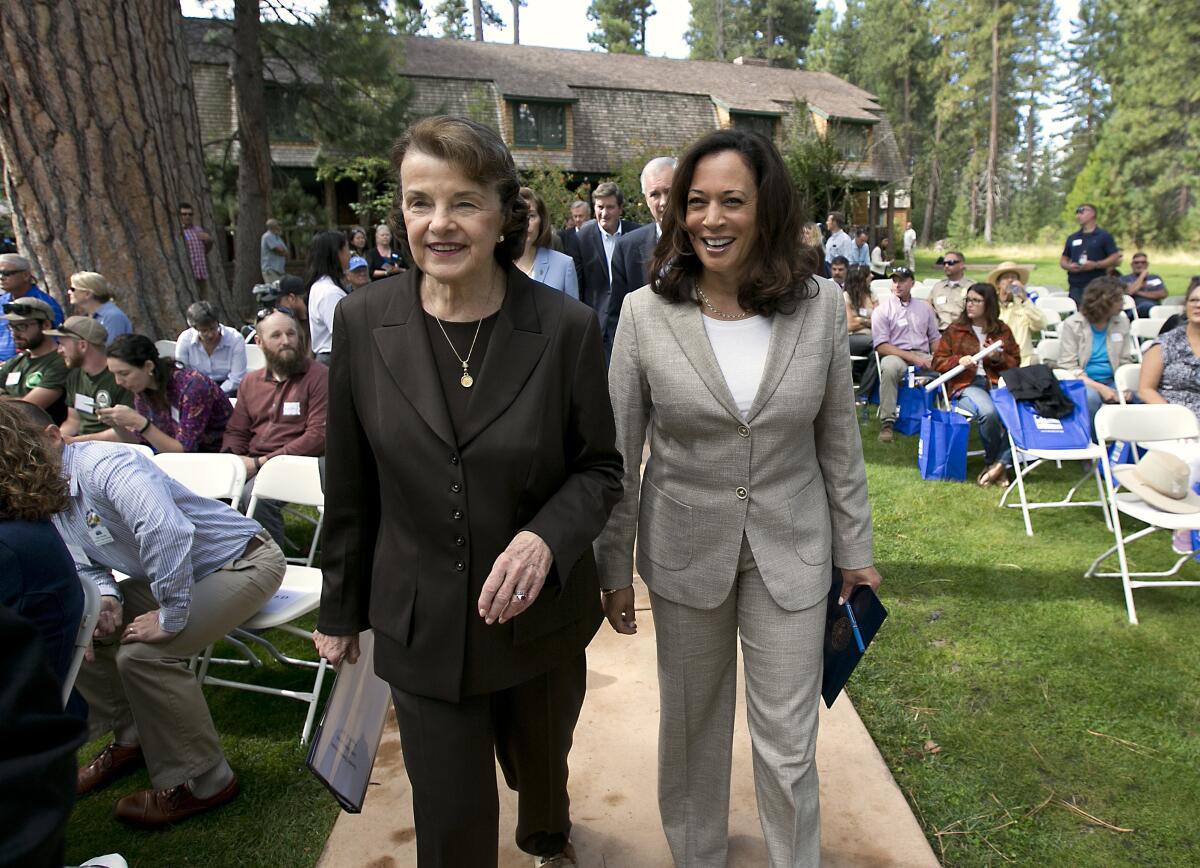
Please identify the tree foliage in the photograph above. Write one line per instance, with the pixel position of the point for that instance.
(620, 25)
(774, 30)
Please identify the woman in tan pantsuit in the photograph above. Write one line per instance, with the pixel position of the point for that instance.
(734, 361)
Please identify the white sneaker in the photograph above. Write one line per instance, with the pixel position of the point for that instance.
(112, 860)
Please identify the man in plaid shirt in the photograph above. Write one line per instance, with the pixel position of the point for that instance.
(198, 242)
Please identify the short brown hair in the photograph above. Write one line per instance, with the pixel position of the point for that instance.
(535, 203)
(606, 189)
(780, 266)
(480, 154)
(1100, 297)
(31, 486)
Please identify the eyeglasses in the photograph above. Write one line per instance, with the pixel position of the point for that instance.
(24, 309)
(951, 262)
(11, 273)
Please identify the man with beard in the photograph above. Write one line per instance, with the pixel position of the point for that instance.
(280, 410)
(90, 385)
(36, 373)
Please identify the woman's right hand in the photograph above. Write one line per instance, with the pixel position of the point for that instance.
(335, 649)
(1107, 393)
(618, 608)
(967, 362)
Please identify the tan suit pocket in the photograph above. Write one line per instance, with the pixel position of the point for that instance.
(664, 528)
(810, 522)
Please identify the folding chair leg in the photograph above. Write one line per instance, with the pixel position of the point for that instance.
(1124, 566)
(312, 705)
(1104, 505)
(1020, 480)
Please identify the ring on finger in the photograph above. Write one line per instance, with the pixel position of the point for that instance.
(520, 596)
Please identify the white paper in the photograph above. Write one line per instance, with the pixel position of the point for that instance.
(13, 378)
(1044, 424)
(291, 408)
(85, 403)
(343, 752)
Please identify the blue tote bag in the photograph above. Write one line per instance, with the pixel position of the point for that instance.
(912, 404)
(942, 451)
(1031, 431)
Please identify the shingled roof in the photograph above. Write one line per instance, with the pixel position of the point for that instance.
(551, 73)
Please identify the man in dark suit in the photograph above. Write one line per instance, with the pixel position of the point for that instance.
(632, 255)
(597, 243)
(569, 236)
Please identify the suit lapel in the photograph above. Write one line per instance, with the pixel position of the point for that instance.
(516, 345)
(785, 332)
(403, 343)
(687, 324)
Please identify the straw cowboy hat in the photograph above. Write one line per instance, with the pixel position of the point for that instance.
(1021, 271)
(1160, 479)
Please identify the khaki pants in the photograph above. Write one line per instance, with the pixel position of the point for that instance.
(892, 370)
(148, 688)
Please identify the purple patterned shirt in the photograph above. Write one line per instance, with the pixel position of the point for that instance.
(196, 414)
(196, 252)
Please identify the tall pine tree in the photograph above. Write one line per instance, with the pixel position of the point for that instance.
(620, 25)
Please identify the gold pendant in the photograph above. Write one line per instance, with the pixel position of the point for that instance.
(466, 381)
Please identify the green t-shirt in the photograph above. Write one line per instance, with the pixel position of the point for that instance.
(86, 394)
(22, 374)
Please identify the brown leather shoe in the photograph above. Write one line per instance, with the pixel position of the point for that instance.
(153, 809)
(887, 432)
(995, 473)
(112, 763)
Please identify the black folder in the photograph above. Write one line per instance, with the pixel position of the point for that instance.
(841, 647)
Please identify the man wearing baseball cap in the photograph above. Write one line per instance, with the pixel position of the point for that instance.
(358, 272)
(36, 373)
(90, 385)
(16, 283)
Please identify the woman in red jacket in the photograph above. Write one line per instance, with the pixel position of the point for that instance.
(979, 326)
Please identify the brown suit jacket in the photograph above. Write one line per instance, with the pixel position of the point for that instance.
(415, 516)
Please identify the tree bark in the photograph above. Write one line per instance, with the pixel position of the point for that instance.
(719, 30)
(101, 142)
(516, 5)
(935, 172)
(477, 19)
(254, 157)
(989, 205)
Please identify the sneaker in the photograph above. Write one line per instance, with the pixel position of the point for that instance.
(1181, 542)
(887, 431)
(565, 859)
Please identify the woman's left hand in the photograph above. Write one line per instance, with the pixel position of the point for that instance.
(516, 578)
(121, 416)
(852, 578)
(145, 628)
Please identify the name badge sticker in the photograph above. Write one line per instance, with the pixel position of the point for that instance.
(1076, 242)
(941, 299)
(175, 414)
(1155, 282)
(862, 311)
(85, 403)
(13, 378)
(291, 408)
(100, 536)
(1117, 338)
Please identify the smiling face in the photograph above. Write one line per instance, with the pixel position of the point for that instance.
(608, 213)
(453, 222)
(135, 379)
(722, 216)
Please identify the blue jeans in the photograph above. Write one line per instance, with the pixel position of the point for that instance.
(1095, 402)
(978, 400)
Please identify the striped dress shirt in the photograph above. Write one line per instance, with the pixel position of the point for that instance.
(126, 514)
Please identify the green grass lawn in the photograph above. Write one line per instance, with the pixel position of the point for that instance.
(1175, 269)
(1004, 689)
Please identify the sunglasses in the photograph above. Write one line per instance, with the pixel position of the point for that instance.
(11, 273)
(951, 262)
(265, 312)
(23, 309)
(1082, 208)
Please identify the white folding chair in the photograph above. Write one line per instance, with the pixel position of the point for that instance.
(1143, 333)
(218, 475)
(1062, 304)
(1127, 303)
(1142, 424)
(922, 292)
(1027, 459)
(1125, 379)
(289, 478)
(83, 636)
(1174, 301)
(1051, 319)
(1049, 350)
(255, 359)
(165, 348)
(1162, 312)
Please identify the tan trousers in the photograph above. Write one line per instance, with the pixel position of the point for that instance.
(148, 688)
(892, 371)
(697, 683)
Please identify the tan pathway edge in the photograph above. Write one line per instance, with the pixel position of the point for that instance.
(865, 820)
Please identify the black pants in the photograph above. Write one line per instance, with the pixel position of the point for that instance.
(450, 751)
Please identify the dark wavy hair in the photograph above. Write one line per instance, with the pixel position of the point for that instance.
(323, 257)
(538, 205)
(31, 486)
(480, 154)
(858, 286)
(779, 265)
(991, 307)
(136, 350)
(1100, 296)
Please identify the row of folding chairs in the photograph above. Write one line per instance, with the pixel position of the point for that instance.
(255, 360)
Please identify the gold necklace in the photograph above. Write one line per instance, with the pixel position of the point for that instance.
(716, 311)
(466, 380)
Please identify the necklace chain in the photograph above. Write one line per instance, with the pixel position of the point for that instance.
(717, 311)
(466, 380)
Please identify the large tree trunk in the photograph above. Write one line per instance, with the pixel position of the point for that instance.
(935, 172)
(254, 157)
(516, 5)
(477, 19)
(989, 205)
(101, 142)
(719, 30)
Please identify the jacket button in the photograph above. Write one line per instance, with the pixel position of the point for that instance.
(741, 493)
(743, 430)
(457, 515)
(460, 541)
(460, 566)
(453, 458)
(455, 487)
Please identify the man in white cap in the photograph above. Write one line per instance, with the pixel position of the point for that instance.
(16, 282)
(36, 373)
(90, 385)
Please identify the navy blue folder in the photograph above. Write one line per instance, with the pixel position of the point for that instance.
(841, 649)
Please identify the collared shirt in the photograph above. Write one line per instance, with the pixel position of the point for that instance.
(610, 244)
(114, 320)
(226, 365)
(1084, 247)
(270, 258)
(860, 255)
(948, 298)
(839, 244)
(323, 299)
(196, 252)
(125, 514)
(909, 325)
(1152, 282)
(7, 348)
(280, 417)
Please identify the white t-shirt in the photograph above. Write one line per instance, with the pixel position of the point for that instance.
(741, 350)
(322, 300)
